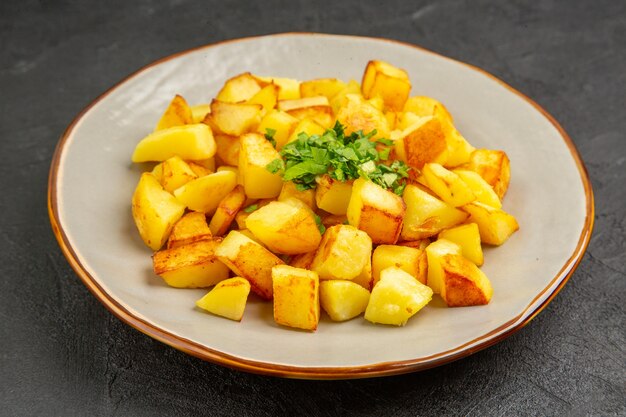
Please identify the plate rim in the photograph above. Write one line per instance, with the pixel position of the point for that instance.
(293, 371)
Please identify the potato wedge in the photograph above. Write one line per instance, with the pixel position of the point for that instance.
(494, 167)
(396, 298)
(467, 237)
(155, 211)
(197, 169)
(239, 88)
(234, 119)
(411, 260)
(426, 215)
(190, 266)
(205, 193)
(188, 142)
(296, 297)
(482, 190)
(383, 79)
(495, 225)
(227, 299)
(376, 211)
(447, 185)
(255, 153)
(342, 253)
(249, 260)
(434, 253)
(343, 300)
(332, 195)
(191, 228)
(464, 284)
(285, 228)
(178, 113)
(227, 210)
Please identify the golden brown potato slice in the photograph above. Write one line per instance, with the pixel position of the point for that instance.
(296, 297)
(376, 211)
(255, 153)
(239, 88)
(332, 195)
(494, 167)
(192, 142)
(191, 228)
(328, 87)
(178, 113)
(175, 173)
(447, 185)
(359, 114)
(410, 260)
(155, 211)
(282, 124)
(190, 266)
(227, 149)
(421, 143)
(234, 119)
(285, 228)
(205, 193)
(227, 210)
(426, 215)
(495, 225)
(464, 283)
(383, 79)
(249, 260)
(289, 190)
(342, 253)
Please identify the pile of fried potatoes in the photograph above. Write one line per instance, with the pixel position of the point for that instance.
(216, 217)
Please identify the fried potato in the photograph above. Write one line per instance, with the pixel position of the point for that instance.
(308, 126)
(359, 114)
(205, 193)
(188, 142)
(425, 106)
(482, 190)
(420, 244)
(249, 260)
(315, 108)
(327, 87)
(495, 225)
(435, 253)
(296, 297)
(365, 278)
(468, 238)
(383, 79)
(447, 185)
(282, 123)
(396, 298)
(234, 119)
(285, 228)
(199, 112)
(339, 100)
(227, 299)
(494, 167)
(303, 260)
(266, 97)
(155, 211)
(464, 284)
(329, 220)
(227, 149)
(289, 89)
(343, 300)
(255, 153)
(376, 211)
(190, 266)
(421, 143)
(175, 173)
(227, 210)
(191, 228)
(289, 190)
(239, 88)
(332, 195)
(197, 169)
(178, 113)
(426, 215)
(342, 253)
(411, 260)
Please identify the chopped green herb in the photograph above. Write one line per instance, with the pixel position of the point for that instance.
(342, 157)
(251, 208)
(320, 226)
(269, 135)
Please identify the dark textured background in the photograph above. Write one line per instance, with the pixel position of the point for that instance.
(62, 353)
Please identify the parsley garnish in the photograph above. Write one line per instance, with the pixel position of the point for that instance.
(320, 226)
(269, 135)
(342, 157)
(251, 208)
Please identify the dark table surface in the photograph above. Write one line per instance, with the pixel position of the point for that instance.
(62, 353)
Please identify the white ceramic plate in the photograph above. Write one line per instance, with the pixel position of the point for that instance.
(92, 180)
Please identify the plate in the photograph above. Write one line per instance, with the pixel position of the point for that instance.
(92, 180)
